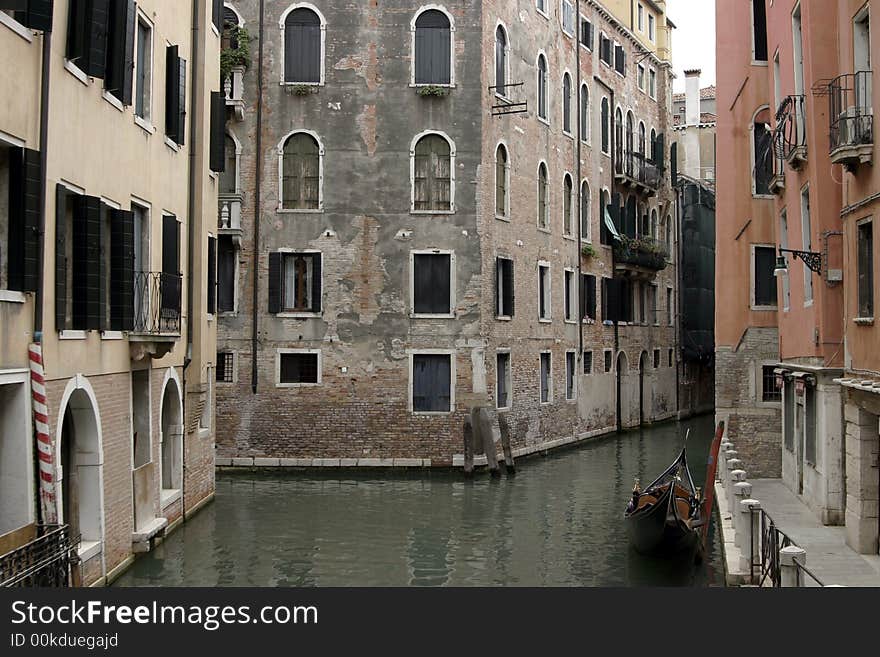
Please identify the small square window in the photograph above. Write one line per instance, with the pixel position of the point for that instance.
(299, 369)
(225, 364)
(770, 391)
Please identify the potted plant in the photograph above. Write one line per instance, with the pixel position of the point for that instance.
(588, 251)
(432, 90)
(237, 54)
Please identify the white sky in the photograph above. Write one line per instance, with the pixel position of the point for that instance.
(693, 42)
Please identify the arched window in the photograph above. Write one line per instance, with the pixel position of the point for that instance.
(653, 150)
(566, 103)
(618, 139)
(432, 158)
(654, 224)
(606, 128)
(669, 235)
(500, 61)
(433, 48)
(228, 177)
(303, 47)
(585, 113)
(301, 172)
(543, 209)
(762, 156)
(604, 233)
(502, 169)
(630, 142)
(586, 221)
(567, 205)
(642, 140)
(231, 23)
(542, 87)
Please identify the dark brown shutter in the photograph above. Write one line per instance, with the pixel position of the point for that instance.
(509, 290)
(433, 48)
(38, 15)
(87, 264)
(217, 14)
(659, 151)
(120, 50)
(302, 46)
(98, 20)
(673, 163)
(591, 296)
(171, 277)
(498, 288)
(104, 235)
(218, 133)
(24, 219)
(276, 261)
(122, 270)
(181, 102)
(317, 287)
(172, 93)
(212, 275)
(14, 253)
(61, 203)
(431, 283)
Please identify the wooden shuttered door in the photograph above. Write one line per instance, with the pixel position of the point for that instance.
(276, 262)
(87, 269)
(504, 290)
(120, 59)
(122, 270)
(302, 47)
(673, 162)
(171, 278)
(212, 275)
(175, 95)
(433, 175)
(433, 48)
(659, 151)
(301, 173)
(431, 284)
(24, 219)
(588, 297)
(226, 255)
(218, 133)
(62, 202)
(432, 383)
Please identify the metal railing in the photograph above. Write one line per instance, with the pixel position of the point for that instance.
(791, 125)
(852, 112)
(47, 561)
(639, 168)
(765, 551)
(641, 252)
(157, 303)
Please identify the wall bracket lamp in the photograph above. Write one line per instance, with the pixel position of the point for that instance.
(811, 259)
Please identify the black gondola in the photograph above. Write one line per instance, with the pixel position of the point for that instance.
(665, 517)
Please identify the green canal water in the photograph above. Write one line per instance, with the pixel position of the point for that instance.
(557, 522)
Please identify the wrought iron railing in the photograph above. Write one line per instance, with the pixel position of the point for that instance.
(641, 252)
(791, 126)
(766, 566)
(852, 112)
(47, 561)
(639, 168)
(157, 302)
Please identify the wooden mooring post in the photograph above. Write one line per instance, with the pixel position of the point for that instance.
(483, 430)
(468, 448)
(504, 425)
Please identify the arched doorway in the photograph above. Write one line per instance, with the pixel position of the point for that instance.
(81, 459)
(622, 367)
(643, 368)
(171, 438)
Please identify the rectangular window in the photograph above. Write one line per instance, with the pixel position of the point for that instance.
(20, 214)
(807, 237)
(546, 378)
(810, 425)
(570, 365)
(619, 59)
(120, 51)
(80, 268)
(651, 29)
(432, 283)
(299, 368)
(641, 77)
(226, 274)
(570, 296)
(212, 275)
(652, 83)
(670, 307)
(432, 383)
(588, 362)
(140, 416)
(541, 5)
(605, 49)
(617, 300)
(763, 280)
(225, 369)
(671, 357)
(588, 297)
(759, 31)
(652, 304)
(117, 241)
(641, 18)
(504, 297)
(586, 35)
(866, 269)
(87, 36)
(568, 17)
(656, 359)
(544, 292)
(502, 380)
(175, 95)
(143, 75)
(762, 158)
(770, 392)
(607, 361)
(783, 243)
(301, 285)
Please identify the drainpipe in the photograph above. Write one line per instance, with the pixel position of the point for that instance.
(580, 282)
(257, 200)
(44, 161)
(190, 237)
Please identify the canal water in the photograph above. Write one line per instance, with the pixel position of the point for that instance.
(557, 522)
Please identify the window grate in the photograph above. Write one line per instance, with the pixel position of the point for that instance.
(225, 367)
(770, 390)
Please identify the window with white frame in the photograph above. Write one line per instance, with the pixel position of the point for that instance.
(568, 17)
(586, 214)
(433, 174)
(432, 382)
(586, 33)
(501, 61)
(546, 380)
(303, 32)
(763, 279)
(434, 53)
(585, 113)
(227, 273)
(502, 182)
(652, 36)
(652, 83)
(641, 18)
(542, 87)
(783, 243)
(606, 52)
(641, 76)
(571, 301)
(588, 362)
(807, 242)
(298, 367)
(225, 368)
(143, 69)
(504, 288)
(301, 283)
(432, 283)
(544, 291)
(570, 368)
(541, 6)
(566, 103)
(301, 155)
(567, 206)
(606, 127)
(543, 200)
(502, 380)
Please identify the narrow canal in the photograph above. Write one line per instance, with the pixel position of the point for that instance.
(558, 522)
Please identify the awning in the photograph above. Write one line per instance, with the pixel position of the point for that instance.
(609, 224)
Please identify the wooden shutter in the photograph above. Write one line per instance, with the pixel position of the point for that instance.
(302, 47)
(432, 379)
(659, 151)
(509, 290)
(217, 14)
(120, 55)
(317, 283)
(122, 270)
(673, 163)
(24, 219)
(172, 93)
(61, 204)
(38, 15)
(591, 296)
(499, 274)
(276, 261)
(218, 133)
(97, 23)
(433, 48)
(212, 275)
(87, 264)
(225, 274)
(181, 102)
(171, 277)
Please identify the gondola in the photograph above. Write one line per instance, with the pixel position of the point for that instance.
(664, 518)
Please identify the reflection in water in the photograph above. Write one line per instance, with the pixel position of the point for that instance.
(558, 522)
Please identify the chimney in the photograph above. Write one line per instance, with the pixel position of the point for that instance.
(692, 97)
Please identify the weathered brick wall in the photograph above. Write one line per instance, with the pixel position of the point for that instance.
(754, 427)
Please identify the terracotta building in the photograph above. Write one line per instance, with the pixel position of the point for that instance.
(107, 212)
(413, 222)
(800, 93)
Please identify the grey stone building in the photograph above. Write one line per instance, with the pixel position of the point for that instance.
(430, 207)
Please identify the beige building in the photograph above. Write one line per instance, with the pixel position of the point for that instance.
(105, 151)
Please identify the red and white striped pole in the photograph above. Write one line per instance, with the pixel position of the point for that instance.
(45, 452)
